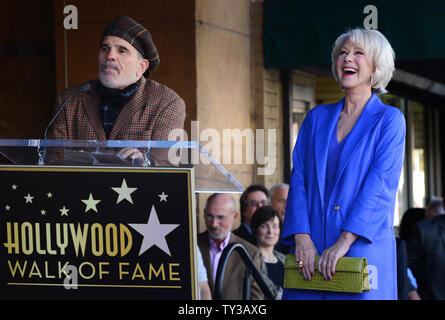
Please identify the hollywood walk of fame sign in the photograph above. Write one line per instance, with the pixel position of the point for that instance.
(96, 233)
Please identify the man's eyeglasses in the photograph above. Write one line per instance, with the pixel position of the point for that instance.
(219, 219)
(261, 203)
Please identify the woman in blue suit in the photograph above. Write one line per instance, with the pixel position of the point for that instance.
(346, 169)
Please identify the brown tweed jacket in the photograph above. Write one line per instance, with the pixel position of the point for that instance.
(152, 112)
(235, 269)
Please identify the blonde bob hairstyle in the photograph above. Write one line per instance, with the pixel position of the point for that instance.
(377, 47)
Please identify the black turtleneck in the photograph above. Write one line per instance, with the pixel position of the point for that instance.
(111, 103)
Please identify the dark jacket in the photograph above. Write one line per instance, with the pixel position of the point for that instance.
(242, 232)
(403, 283)
(426, 257)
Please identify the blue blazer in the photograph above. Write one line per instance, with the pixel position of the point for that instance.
(363, 197)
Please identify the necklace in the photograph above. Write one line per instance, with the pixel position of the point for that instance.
(272, 259)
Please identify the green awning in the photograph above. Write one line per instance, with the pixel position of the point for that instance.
(299, 33)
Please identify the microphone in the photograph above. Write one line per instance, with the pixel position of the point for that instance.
(84, 88)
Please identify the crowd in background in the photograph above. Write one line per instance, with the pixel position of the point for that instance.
(261, 214)
(420, 240)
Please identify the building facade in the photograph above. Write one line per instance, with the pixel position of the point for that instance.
(216, 55)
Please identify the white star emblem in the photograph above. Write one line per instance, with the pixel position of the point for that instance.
(28, 198)
(154, 233)
(7, 208)
(124, 192)
(163, 197)
(49, 195)
(14, 187)
(64, 211)
(91, 203)
(43, 212)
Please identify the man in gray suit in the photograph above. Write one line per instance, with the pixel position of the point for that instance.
(220, 214)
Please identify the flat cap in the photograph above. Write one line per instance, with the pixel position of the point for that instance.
(140, 38)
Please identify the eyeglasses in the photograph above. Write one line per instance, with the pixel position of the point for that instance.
(261, 203)
(219, 219)
(281, 201)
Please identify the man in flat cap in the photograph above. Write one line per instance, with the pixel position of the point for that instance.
(122, 104)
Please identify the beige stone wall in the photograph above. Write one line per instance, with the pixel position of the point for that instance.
(234, 91)
(268, 106)
(223, 77)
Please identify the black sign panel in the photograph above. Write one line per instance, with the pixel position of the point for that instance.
(96, 233)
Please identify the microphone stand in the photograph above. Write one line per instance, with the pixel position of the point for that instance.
(42, 151)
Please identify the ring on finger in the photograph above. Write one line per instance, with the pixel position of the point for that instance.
(300, 264)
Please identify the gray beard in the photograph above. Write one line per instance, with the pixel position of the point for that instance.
(115, 83)
(216, 235)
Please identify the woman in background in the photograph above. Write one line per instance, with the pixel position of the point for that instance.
(266, 227)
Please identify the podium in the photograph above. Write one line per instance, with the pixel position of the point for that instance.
(78, 221)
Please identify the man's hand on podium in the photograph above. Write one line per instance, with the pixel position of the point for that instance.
(133, 155)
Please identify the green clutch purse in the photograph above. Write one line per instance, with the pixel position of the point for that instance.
(351, 275)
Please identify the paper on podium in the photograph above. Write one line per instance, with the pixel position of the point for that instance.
(72, 157)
